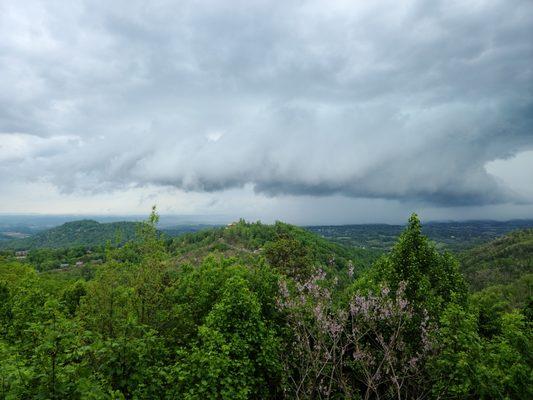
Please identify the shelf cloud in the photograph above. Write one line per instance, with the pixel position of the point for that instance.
(406, 101)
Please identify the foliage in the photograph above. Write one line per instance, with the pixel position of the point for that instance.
(431, 279)
(498, 262)
(468, 366)
(235, 354)
(358, 350)
(289, 256)
(259, 311)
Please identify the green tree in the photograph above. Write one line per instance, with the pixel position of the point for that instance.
(72, 296)
(236, 355)
(467, 366)
(459, 350)
(507, 361)
(289, 256)
(431, 279)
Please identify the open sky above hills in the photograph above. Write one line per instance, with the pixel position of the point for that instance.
(313, 112)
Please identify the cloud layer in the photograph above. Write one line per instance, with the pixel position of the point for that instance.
(393, 100)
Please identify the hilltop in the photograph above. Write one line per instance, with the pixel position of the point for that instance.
(87, 233)
(248, 240)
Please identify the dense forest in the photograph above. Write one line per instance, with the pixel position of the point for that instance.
(254, 311)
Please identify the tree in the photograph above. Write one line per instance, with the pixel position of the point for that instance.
(468, 366)
(360, 349)
(72, 296)
(289, 256)
(236, 355)
(459, 348)
(432, 280)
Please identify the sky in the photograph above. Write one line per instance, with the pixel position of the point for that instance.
(311, 112)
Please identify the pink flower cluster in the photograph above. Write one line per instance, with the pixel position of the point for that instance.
(372, 332)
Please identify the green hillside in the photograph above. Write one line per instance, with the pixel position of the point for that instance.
(500, 261)
(500, 274)
(248, 240)
(86, 233)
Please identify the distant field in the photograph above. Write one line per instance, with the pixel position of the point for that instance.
(15, 235)
(453, 236)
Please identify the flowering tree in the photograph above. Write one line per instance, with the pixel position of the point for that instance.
(356, 350)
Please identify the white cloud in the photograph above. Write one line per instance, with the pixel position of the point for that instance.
(214, 136)
(22, 147)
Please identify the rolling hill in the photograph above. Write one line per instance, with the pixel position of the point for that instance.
(248, 240)
(500, 261)
(87, 233)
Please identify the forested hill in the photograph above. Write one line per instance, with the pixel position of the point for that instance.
(86, 233)
(501, 261)
(289, 243)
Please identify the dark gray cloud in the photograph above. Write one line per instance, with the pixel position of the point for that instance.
(390, 100)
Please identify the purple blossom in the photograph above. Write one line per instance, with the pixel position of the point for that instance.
(350, 269)
(283, 289)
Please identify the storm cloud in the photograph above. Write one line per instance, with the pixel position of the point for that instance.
(405, 101)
